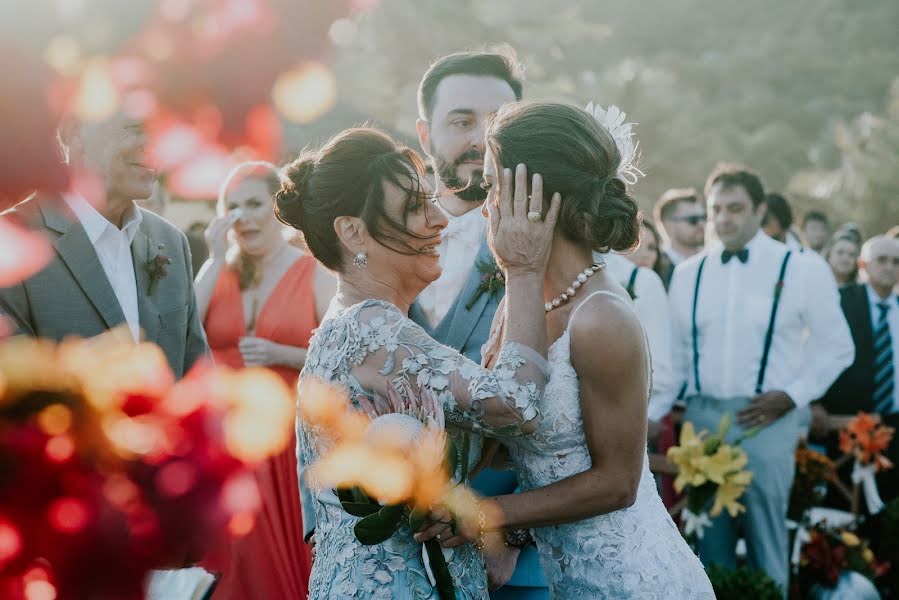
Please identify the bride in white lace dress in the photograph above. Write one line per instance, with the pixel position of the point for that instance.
(587, 492)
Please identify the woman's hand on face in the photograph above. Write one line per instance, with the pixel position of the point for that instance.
(521, 246)
(216, 234)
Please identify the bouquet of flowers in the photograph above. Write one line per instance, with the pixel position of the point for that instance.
(813, 472)
(389, 461)
(712, 472)
(865, 439)
(829, 552)
(109, 468)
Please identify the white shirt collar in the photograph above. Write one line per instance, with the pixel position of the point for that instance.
(469, 226)
(874, 299)
(753, 245)
(674, 256)
(95, 224)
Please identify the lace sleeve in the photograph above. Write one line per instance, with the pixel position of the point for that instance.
(393, 350)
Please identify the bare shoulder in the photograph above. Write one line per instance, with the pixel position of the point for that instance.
(606, 335)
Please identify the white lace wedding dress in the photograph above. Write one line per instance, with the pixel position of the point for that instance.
(634, 553)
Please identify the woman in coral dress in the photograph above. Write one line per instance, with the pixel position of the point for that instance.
(260, 301)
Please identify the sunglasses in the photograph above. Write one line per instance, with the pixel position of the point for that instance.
(691, 219)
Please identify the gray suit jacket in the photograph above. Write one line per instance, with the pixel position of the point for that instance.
(73, 296)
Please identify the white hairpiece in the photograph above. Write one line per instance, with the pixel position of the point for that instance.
(612, 119)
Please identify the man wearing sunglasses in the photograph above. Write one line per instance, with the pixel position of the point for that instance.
(680, 215)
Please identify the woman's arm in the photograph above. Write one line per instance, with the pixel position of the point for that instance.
(204, 285)
(216, 236)
(391, 350)
(609, 353)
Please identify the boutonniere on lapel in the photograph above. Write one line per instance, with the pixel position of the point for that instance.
(156, 266)
(492, 281)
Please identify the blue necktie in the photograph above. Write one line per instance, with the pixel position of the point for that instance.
(884, 370)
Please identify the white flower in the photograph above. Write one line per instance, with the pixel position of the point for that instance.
(396, 563)
(402, 430)
(695, 523)
(383, 577)
(613, 120)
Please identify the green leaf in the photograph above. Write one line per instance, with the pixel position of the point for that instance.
(354, 495)
(452, 456)
(711, 446)
(747, 434)
(466, 449)
(379, 527)
(344, 495)
(417, 519)
(724, 425)
(358, 509)
(444, 581)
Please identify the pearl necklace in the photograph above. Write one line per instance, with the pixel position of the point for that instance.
(575, 285)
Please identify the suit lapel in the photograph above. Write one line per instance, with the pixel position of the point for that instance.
(78, 254)
(464, 320)
(149, 314)
(418, 315)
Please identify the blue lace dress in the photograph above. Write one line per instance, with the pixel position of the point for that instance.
(375, 337)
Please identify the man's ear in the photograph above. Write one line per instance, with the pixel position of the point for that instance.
(352, 233)
(424, 135)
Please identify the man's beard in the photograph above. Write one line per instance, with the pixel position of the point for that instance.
(468, 189)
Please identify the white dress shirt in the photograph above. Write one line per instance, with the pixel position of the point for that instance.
(811, 344)
(461, 241)
(674, 256)
(113, 248)
(893, 323)
(651, 306)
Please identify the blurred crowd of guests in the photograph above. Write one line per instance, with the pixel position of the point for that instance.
(826, 345)
(788, 328)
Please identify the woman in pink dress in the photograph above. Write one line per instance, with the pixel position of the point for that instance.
(260, 300)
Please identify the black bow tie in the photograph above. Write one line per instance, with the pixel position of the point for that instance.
(742, 255)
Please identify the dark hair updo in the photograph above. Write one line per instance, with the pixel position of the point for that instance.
(577, 158)
(346, 178)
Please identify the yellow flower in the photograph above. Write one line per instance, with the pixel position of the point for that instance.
(690, 458)
(867, 555)
(850, 539)
(726, 497)
(721, 463)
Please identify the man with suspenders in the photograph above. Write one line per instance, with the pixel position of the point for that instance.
(757, 332)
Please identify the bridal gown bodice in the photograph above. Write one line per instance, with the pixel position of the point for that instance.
(633, 553)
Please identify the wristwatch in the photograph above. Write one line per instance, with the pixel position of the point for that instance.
(518, 538)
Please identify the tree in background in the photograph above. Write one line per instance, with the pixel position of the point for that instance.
(765, 83)
(864, 186)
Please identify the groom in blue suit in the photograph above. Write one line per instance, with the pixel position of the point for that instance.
(455, 98)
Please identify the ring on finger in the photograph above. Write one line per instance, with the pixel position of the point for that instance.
(534, 216)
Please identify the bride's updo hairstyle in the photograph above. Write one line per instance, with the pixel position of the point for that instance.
(577, 158)
(347, 178)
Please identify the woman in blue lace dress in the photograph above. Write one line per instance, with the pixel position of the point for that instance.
(366, 213)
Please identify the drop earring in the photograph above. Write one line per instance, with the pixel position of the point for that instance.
(361, 259)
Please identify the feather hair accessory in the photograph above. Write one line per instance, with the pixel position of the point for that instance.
(612, 119)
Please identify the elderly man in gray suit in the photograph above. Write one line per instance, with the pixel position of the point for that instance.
(115, 263)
